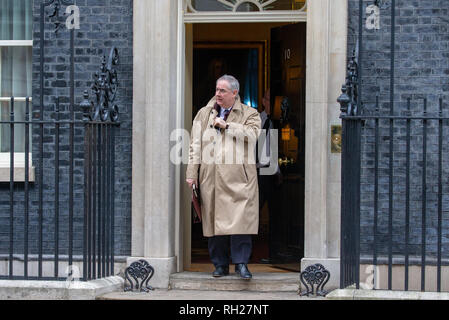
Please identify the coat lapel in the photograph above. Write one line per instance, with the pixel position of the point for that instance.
(233, 116)
(212, 115)
(236, 111)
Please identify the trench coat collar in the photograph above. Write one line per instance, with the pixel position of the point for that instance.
(237, 108)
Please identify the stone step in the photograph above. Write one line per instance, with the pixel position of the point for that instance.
(261, 282)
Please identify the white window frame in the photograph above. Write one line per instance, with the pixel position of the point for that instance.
(19, 157)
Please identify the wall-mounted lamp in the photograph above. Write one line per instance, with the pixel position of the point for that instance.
(286, 133)
(336, 139)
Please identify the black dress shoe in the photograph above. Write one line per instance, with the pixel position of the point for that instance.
(242, 270)
(220, 271)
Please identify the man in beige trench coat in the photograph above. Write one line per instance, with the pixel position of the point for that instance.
(222, 160)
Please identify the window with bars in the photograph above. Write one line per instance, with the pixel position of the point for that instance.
(15, 72)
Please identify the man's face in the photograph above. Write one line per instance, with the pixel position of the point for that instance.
(223, 94)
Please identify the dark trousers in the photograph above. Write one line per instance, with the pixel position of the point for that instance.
(266, 194)
(266, 191)
(240, 246)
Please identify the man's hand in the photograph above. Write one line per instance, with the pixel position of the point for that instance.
(220, 123)
(192, 182)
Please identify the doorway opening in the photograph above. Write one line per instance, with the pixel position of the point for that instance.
(262, 56)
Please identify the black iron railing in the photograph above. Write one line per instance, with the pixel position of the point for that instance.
(58, 221)
(99, 197)
(394, 190)
(403, 201)
(51, 224)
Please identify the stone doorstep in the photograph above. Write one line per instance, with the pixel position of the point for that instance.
(361, 294)
(58, 290)
(261, 282)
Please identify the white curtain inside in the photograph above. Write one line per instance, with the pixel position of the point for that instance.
(15, 67)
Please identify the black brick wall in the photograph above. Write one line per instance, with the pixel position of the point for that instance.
(421, 71)
(103, 25)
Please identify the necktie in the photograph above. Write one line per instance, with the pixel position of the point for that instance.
(266, 124)
(226, 114)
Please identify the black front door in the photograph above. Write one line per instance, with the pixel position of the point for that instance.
(287, 82)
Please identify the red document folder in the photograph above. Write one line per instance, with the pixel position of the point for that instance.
(196, 201)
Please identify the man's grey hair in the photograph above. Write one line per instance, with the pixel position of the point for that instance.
(233, 82)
